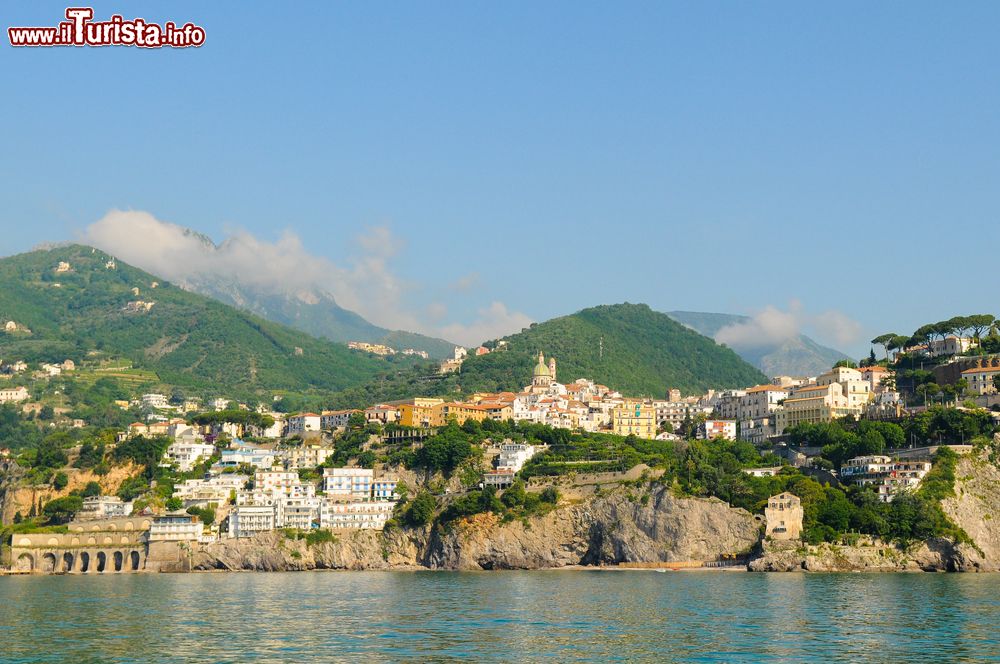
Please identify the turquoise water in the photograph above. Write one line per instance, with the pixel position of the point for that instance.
(494, 616)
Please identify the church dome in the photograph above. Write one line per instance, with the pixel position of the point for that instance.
(540, 368)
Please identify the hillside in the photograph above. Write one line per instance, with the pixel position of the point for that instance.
(187, 339)
(628, 347)
(798, 356)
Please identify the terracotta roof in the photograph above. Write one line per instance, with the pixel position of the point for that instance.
(982, 370)
(766, 388)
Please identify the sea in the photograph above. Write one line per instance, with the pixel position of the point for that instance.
(569, 615)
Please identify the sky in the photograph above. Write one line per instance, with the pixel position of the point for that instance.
(461, 169)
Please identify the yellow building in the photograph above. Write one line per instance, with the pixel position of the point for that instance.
(460, 412)
(635, 418)
(419, 412)
(813, 404)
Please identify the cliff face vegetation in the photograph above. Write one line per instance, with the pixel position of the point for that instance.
(606, 529)
(622, 526)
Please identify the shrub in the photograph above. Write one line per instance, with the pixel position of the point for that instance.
(61, 510)
(320, 536)
(60, 481)
(421, 510)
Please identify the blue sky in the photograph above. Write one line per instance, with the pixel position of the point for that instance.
(838, 164)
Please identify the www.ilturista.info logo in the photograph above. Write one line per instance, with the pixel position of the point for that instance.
(81, 30)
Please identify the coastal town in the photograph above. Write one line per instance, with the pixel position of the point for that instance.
(251, 471)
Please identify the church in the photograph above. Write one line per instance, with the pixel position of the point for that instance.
(543, 378)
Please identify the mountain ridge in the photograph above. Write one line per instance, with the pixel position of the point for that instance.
(797, 356)
(80, 302)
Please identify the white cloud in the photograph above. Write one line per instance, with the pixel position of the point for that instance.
(466, 282)
(367, 285)
(493, 322)
(837, 326)
(768, 328)
(773, 326)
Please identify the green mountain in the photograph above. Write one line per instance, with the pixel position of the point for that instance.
(84, 312)
(797, 356)
(628, 347)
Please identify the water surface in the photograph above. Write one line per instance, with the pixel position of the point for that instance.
(500, 616)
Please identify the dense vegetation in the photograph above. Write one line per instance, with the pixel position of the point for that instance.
(697, 468)
(188, 340)
(628, 347)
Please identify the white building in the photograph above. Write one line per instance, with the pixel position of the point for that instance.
(950, 345)
(364, 514)
(303, 423)
(763, 472)
(248, 520)
(282, 483)
(756, 412)
(335, 419)
(242, 453)
(104, 507)
(513, 456)
(307, 456)
(711, 429)
(155, 401)
(887, 477)
(384, 488)
(13, 395)
(218, 489)
(175, 528)
(187, 455)
(353, 483)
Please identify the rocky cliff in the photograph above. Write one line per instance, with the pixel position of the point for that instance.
(935, 555)
(974, 509)
(612, 528)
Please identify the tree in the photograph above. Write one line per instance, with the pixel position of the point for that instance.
(996, 382)
(173, 504)
(899, 343)
(885, 340)
(92, 489)
(421, 510)
(550, 495)
(61, 510)
(50, 453)
(979, 323)
(356, 421)
(46, 413)
(60, 481)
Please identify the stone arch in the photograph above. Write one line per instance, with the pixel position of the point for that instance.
(75, 541)
(91, 540)
(107, 540)
(48, 563)
(52, 541)
(124, 539)
(95, 528)
(134, 559)
(119, 559)
(25, 563)
(24, 541)
(84, 562)
(146, 523)
(67, 562)
(102, 561)
(128, 526)
(112, 527)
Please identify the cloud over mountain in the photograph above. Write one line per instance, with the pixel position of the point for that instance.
(367, 285)
(773, 326)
